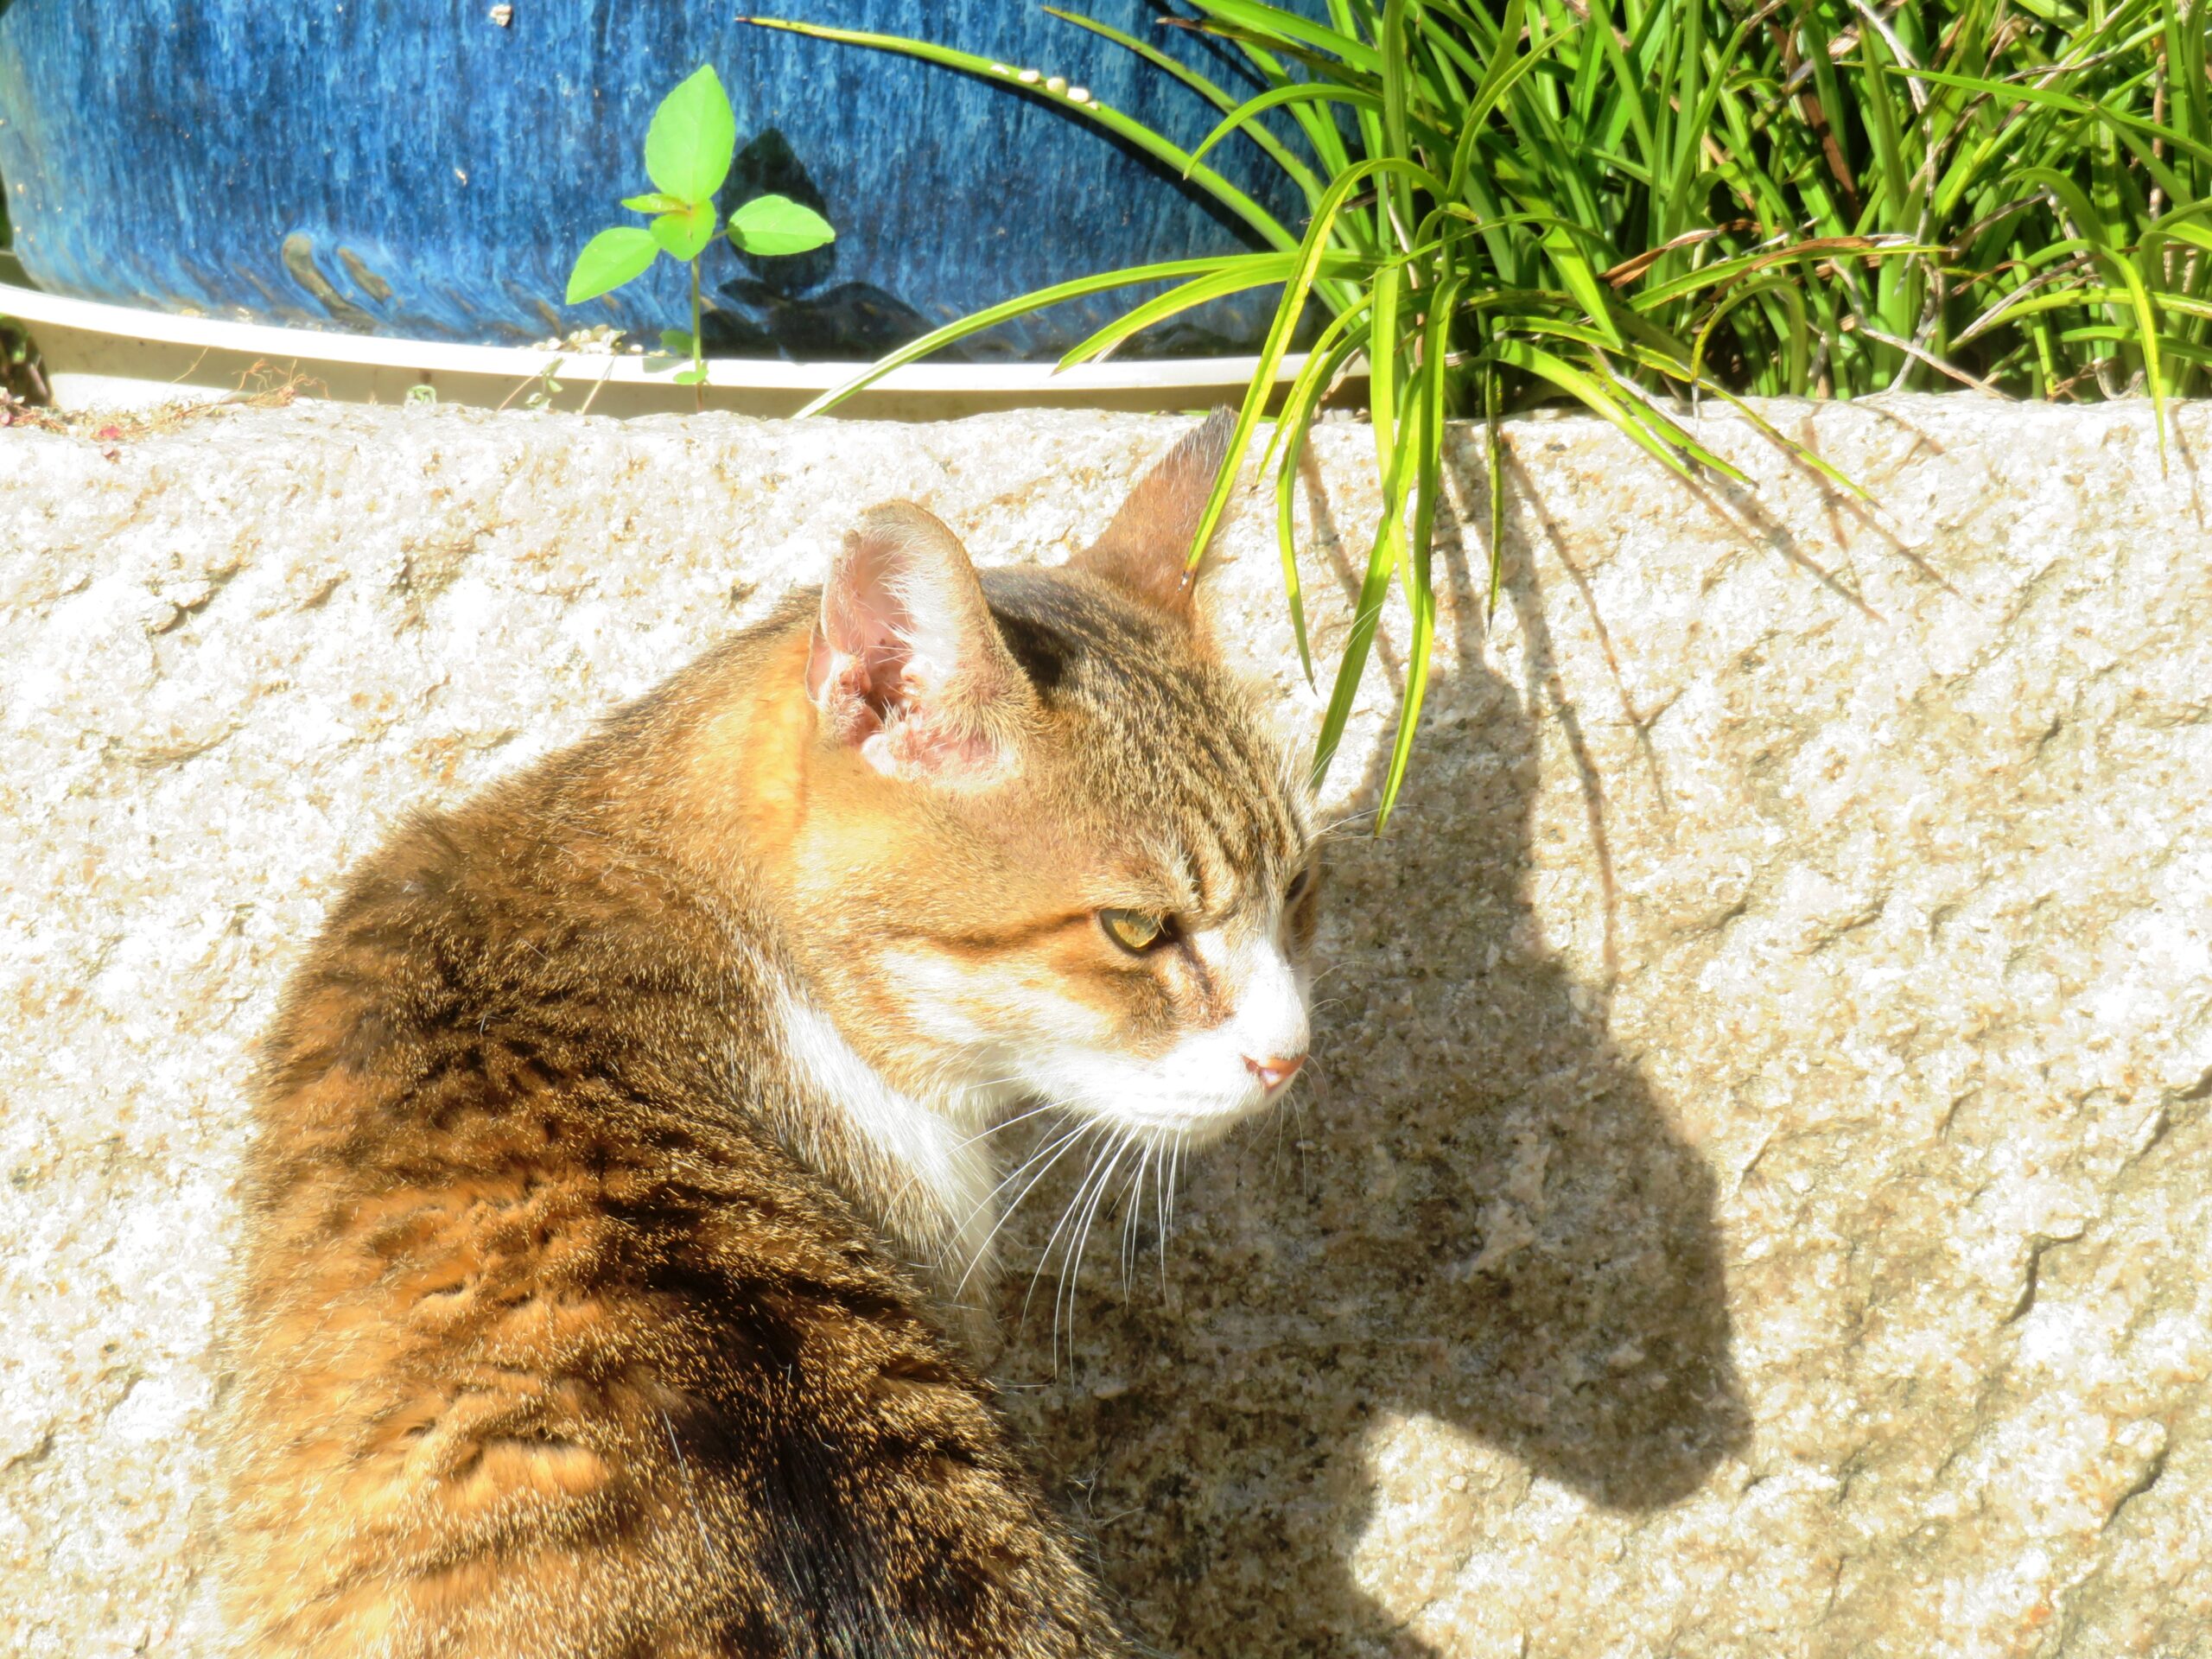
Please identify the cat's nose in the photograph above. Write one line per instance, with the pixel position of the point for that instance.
(1273, 1073)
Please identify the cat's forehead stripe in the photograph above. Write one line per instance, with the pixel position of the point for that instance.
(1236, 831)
(1170, 738)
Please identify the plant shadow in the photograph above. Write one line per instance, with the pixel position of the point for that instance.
(1479, 1215)
(780, 306)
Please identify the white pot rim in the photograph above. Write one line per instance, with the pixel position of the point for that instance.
(309, 347)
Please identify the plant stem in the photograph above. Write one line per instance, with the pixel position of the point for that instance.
(698, 365)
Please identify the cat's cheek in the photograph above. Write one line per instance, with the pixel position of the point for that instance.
(1006, 1023)
(1243, 1063)
(1208, 1080)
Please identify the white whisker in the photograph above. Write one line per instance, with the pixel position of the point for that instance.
(1045, 1256)
(915, 1177)
(1174, 1179)
(1072, 1282)
(1134, 1195)
(1056, 1147)
(1162, 1176)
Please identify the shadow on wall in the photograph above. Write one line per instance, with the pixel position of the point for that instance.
(1479, 1214)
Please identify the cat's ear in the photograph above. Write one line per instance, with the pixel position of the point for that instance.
(907, 666)
(1143, 551)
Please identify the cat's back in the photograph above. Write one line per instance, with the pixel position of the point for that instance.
(537, 1355)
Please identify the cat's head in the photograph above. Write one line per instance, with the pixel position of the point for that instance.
(1050, 847)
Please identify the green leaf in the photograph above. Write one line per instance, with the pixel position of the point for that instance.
(692, 378)
(684, 234)
(1426, 389)
(693, 138)
(2029, 93)
(1257, 270)
(654, 202)
(1395, 441)
(776, 225)
(1277, 151)
(1494, 477)
(1310, 255)
(676, 342)
(610, 259)
(1328, 355)
(1280, 29)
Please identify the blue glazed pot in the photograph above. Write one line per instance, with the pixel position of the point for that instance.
(428, 171)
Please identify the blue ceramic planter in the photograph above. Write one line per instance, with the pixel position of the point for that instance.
(426, 170)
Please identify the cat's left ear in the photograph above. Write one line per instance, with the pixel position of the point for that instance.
(1144, 548)
(907, 666)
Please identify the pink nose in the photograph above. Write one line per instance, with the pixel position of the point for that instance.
(1272, 1074)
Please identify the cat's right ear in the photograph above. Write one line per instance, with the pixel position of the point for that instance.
(907, 666)
(1144, 549)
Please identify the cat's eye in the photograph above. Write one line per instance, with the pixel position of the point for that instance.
(1133, 930)
(1298, 884)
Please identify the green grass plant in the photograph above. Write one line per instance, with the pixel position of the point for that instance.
(1628, 204)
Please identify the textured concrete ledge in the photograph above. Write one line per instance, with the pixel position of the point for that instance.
(1754, 1200)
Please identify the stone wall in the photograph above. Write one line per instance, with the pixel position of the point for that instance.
(1753, 1198)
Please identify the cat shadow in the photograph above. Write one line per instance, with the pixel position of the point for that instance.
(1476, 1215)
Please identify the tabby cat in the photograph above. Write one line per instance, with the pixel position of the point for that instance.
(622, 1139)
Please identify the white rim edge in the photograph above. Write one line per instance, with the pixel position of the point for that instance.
(521, 362)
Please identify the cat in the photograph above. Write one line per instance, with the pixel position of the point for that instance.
(620, 1145)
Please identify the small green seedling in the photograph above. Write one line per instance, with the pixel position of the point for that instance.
(688, 149)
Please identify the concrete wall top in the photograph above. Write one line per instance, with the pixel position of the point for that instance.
(1754, 1196)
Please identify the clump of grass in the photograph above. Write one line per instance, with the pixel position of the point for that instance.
(1624, 203)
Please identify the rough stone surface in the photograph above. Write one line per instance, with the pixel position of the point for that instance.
(1753, 1196)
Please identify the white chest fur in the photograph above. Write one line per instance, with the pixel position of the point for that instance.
(924, 1165)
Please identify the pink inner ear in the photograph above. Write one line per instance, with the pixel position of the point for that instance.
(862, 644)
(907, 664)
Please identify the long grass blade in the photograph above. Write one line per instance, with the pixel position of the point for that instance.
(1022, 305)
(1286, 320)
(1130, 131)
(1427, 400)
(1246, 115)
(1276, 151)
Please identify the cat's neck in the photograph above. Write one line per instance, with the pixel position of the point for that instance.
(921, 1166)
